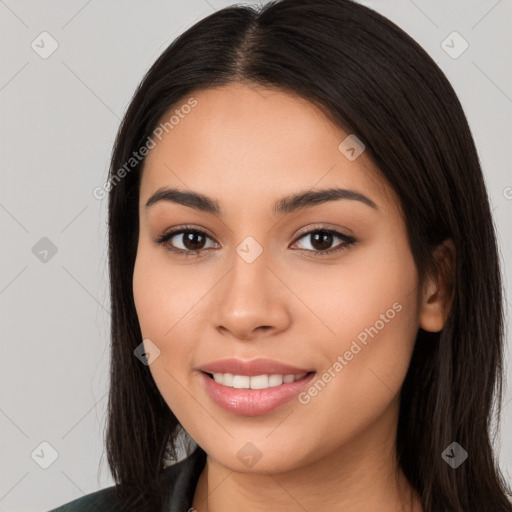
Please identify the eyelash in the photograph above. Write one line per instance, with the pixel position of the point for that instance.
(162, 240)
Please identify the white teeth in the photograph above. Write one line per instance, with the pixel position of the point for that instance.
(259, 382)
(256, 382)
(241, 381)
(275, 380)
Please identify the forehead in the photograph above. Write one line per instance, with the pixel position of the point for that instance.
(254, 142)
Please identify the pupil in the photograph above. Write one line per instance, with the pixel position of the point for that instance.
(322, 239)
(190, 239)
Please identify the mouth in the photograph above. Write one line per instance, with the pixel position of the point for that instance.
(263, 381)
(253, 395)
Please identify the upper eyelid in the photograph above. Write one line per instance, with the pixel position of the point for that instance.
(323, 227)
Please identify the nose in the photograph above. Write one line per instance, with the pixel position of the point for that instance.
(251, 301)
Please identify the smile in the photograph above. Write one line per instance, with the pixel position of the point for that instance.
(255, 382)
(253, 395)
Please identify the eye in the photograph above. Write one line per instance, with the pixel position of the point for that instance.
(192, 240)
(322, 238)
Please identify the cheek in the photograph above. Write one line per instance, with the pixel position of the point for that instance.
(164, 295)
(150, 301)
(365, 372)
(163, 298)
(160, 296)
(351, 296)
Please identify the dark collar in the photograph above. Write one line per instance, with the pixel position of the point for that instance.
(181, 480)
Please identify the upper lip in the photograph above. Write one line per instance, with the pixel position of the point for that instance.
(252, 368)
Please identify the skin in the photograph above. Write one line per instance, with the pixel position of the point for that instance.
(246, 147)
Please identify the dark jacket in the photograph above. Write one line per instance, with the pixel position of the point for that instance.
(180, 480)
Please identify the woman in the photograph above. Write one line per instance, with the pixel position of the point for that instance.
(304, 275)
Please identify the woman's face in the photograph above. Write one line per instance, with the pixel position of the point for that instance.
(262, 287)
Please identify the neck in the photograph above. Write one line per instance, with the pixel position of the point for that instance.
(362, 474)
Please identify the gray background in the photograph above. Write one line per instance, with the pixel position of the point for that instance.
(59, 116)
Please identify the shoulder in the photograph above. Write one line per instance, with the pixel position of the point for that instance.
(179, 478)
(98, 500)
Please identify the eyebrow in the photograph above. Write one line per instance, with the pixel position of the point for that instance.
(284, 206)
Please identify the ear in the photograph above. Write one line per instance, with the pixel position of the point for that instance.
(438, 290)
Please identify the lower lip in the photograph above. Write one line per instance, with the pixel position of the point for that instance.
(253, 402)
